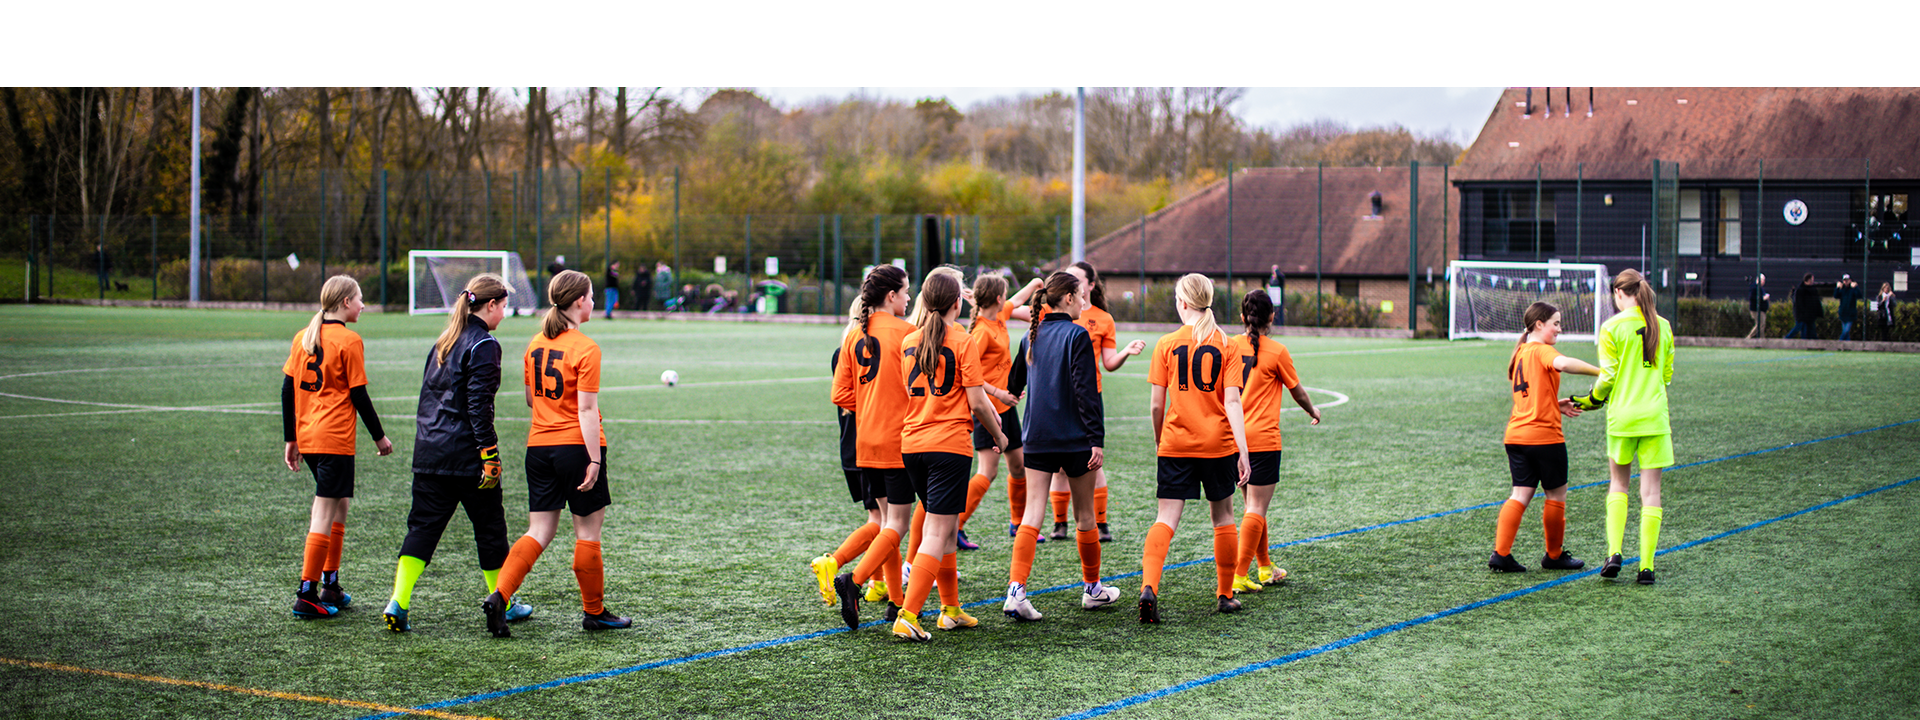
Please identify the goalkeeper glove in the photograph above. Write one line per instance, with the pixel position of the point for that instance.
(1587, 402)
(489, 467)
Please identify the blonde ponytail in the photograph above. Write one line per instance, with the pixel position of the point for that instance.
(482, 289)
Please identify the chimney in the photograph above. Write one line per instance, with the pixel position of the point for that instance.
(1548, 96)
(1589, 102)
(1375, 199)
(1528, 112)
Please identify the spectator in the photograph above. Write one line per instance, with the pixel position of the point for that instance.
(1277, 292)
(1883, 311)
(662, 284)
(642, 289)
(1848, 293)
(1806, 309)
(558, 265)
(613, 287)
(1757, 304)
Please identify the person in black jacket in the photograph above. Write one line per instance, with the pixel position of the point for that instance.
(1806, 308)
(1848, 293)
(456, 455)
(1065, 432)
(1757, 305)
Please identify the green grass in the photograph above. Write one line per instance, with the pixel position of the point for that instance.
(167, 543)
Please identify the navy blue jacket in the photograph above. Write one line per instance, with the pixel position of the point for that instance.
(455, 418)
(1064, 412)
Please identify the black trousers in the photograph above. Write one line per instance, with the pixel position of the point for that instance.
(435, 497)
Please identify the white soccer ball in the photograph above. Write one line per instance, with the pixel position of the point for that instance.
(670, 378)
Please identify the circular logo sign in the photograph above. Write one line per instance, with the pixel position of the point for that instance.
(1795, 212)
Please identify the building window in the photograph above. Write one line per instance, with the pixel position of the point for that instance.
(1689, 243)
(1349, 289)
(1729, 222)
(1513, 216)
(1885, 226)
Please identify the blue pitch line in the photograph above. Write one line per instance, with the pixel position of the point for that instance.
(1058, 588)
(1124, 703)
(1796, 357)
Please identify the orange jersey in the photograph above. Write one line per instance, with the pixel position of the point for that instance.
(1264, 386)
(996, 351)
(938, 416)
(1196, 376)
(558, 369)
(1536, 397)
(873, 387)
(322, 410)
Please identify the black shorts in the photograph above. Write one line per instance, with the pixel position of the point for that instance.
(890, 484)
(436, 497)
(940, 480)
(1266, 468)
(553, 473)
(861, 492)
(332, 474)
(1185, 478)
(1074, 464)
(1541, 466)
(1009, 424)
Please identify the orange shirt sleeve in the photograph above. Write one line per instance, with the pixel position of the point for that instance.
(1289, 378)
(1006, 311)
(354, 353)
(587, 367)
(1157, 370)
(294, 367)
(1230, 369)
(843, 394)
(526, 365)
(971, 374)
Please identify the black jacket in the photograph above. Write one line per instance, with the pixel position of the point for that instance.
(1064, 410)
(1806, 303)
(1849, 298)
(456, 405)
(1757, 298)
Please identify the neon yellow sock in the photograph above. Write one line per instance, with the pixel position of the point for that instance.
(404, 577)
(1649, 535)
(493, 580)
(1616, 522)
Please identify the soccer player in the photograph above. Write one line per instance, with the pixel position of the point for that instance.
(827, 566)
(325, 386)
(1266, 368)
(1636, 357)
(1198, 426)
(1065, 433)
(1099, 324)
(939, 356)
(874, 389)
(456, 454)
(991, 307)
(566, 456)
(1536, 448)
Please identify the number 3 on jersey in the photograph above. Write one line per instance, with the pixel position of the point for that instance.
(947, 365)
(546, 364)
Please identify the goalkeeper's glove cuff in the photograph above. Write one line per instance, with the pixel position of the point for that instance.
(489, 467)
(1587, 402)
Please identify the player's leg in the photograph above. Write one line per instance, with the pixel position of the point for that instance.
(333, 484)
(549, 470)
(1100, 505)
(1016, 490)
(1093, 594)
(1261, 482)
(432, 507)
(1219, 484)
(487, 512)
(1655, 453)
(331, 592)
(1552, 462)
(1040, 469)
(1060, 495)
(1526, 480)
(1619, 474)
(589, 510)
(1176, 485)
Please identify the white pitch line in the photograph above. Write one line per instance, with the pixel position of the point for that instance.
(132, 408)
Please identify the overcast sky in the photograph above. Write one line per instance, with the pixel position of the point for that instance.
(1459, 111)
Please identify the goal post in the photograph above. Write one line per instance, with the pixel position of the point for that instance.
(1487, 300)
(436, 277)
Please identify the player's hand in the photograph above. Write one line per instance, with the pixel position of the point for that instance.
(1096, 461)
(1313, 412)
(1000, 442)
(383, 445)
(1586, 402)
(1569, 409)
(1246, 470)
(1134, 348)
(293, 456)
(966, 293)
(489, 467)
(593, 476)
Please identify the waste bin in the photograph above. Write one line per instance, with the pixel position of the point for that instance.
(773, 298)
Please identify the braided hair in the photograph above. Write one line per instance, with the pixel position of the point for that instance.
(883, 281)
(1256, 312)
(1059, 286)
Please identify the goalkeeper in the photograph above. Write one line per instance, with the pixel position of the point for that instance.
(456, 458)
(1636, 355)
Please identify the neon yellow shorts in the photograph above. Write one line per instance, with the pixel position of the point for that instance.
(1654, 451)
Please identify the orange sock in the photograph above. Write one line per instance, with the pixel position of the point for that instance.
(926, 569)
(1510, 512)
(1016, 499)
(334, 544)
(1089, 554)
(1024, 542)
(896, 588)
(883, 551)
(520, 560)
(976, 489)
(1060, 505)
(950, 579)
(856, 543)
(1226, 554)
(913, 532)
(1099, 505)
(315, 556)
(1260, 548)
(1153, 558)
(1553, 520)
(1253, 529)
(591, 575)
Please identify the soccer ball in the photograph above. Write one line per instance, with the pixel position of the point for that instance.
(670, 378)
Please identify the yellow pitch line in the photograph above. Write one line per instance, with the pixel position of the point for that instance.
(242, 690)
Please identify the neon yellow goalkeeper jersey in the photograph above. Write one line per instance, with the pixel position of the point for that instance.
(1635, 390)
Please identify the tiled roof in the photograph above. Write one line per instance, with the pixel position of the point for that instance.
(1801, 133)
(1274, 222)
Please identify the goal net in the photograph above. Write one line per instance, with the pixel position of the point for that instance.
(436, 277)
(1488, 299)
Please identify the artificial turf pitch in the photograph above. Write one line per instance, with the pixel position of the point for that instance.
(148, 528)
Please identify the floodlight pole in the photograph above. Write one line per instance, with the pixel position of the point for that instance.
(1079, 174)
(193, 205)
